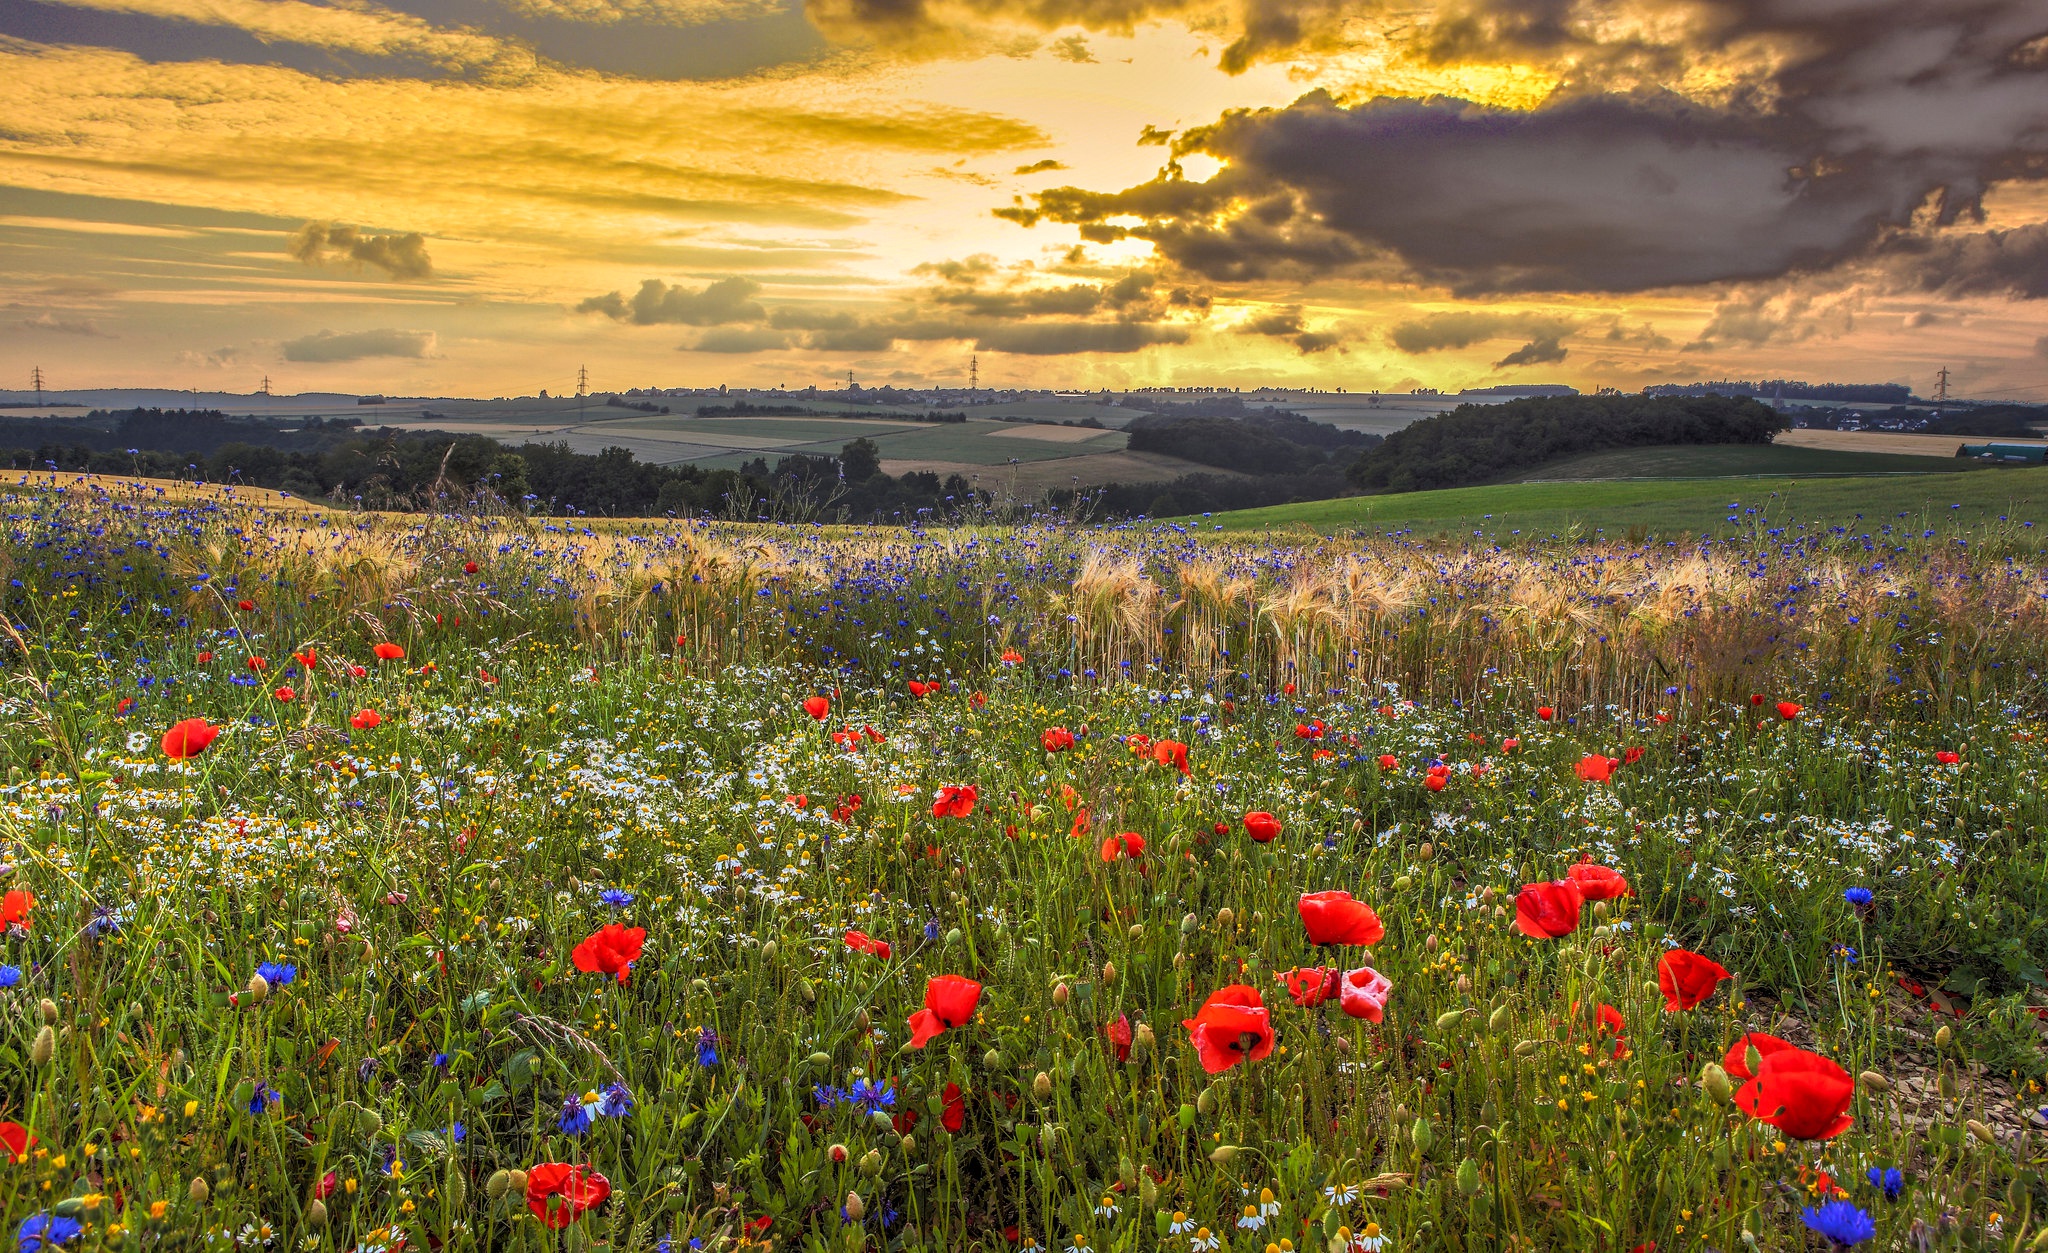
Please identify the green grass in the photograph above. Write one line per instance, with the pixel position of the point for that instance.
(1709, 461)
(1676, 507)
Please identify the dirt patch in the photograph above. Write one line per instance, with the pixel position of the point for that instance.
(1028, 478)
(1887, 441)
(1049, 434)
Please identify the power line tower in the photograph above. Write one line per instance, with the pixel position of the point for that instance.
(582, 379)
(973, 373)
(1941, 387)
(263, 389)
(35, 378)
(849, 380)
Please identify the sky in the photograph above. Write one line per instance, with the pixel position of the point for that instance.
(478, 197)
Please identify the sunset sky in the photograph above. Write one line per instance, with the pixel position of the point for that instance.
(475, 197)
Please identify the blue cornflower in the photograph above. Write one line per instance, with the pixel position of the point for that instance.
(457, 1133)
(826, 1095)
(575, 1118)
(9, 976)
(1844, 1223)
(1857, 896)
(616, 898)
(931, 929)
(40, 1231)
(440, 1061)
(1846, 953)
(388, 1163)
(1888, 1179)
(278, 974)
(707, 1047)
(262, 1098)
(617, 1101)
(872, 1097)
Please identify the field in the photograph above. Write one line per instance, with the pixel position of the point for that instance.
(380, 882)
(2002, 500)
(1736, 461)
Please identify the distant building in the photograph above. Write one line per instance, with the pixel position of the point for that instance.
(369, 400)
(2007, 454)
(1522, 389)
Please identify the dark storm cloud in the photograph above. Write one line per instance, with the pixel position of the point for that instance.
(1464, 328)
(727, 300)
(1988, 263)
(1875, 111)
(400, 256)
(1536, 352)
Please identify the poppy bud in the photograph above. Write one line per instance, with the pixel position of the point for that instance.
(1142, 1039)
(953, 937)
(1426, 852)
(862, 1023)
(1982, 1132)
(871, 1163)
(1875, 1082)
(258, 990)
(805, 990)
(821, 1059)
(199, 1192)
(1431, 944)
(1041, 1087)
(908, 1144)
(769, 949)
(1752, 1059)
(369, 1122)
(1498, 1020)
(1137, 931)
(1527, 1048)
(837, 1152)
(1422, 1136)
(1048, 1137)
(1715, 1083)
(49, 1011)
(1468, 1177)
(1941, 1036)
(1205, 1103)
(515, 1182)
(1224, 917)
(1464, 984)
(1342, 1044)
(1222, 1154)
(45, 1047)
(1148, 1191)
(856, 1209)
(316, 1211)
(1600, 910)
(1445, 1021)
(1109, 972)
(1060, 994)
(498, 1184)
(1188, 924)
(992, 1060)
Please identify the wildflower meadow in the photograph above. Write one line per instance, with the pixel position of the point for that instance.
(490, 882)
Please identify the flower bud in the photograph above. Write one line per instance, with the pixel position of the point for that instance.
(1060, 994)
(1223, 1154)
(1527, 1048)
(1224, 917)
(1041, 1087)
(837, 1152)
(1943, 1036)
(1188, 923)
(369, 1122)
(1108, 973)
(1142, 1040)
(1137, 931)
(862, 1023)
(908, 1144)
(953, 937)
(1342, 1044)
(1874, 1082)
(1464, 984)
(1205, 1101)
(1403, 882)
(1468, 1177)
(1148, 1191)
(1445, 1021)
(316, 1212)
(44, 1048)
(1431, 944)
(258, 989)
(769, 949)
(48, 1008)
(821, 1059)
(199, 1192)
(992, 1060)
(515, 1182)
(498, 1184)
(1426, 852)
(1601, 910)
(1715, 1083)
(1048, 1137)
(1422, 1135)
(1498, 1021)
(805, 990)
(871, 1163)
(1982, 1132)
(856, 1209)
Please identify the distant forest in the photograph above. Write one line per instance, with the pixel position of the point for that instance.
(1481, 443)
(1792, 389)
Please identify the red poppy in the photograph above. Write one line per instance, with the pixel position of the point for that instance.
(307, 658)
(1510, 744)
(1548, 911)
(1232, 1025)
(1309, 730)
(954, 802)
(1599, 883)
(922, 690)
(1334, 918)
(1128, 844)
(1287, 688)
(1056, 739)
(1119, 1033)
(1756, 698)
(188, 738)
(1802, 1094)
(485, 675)
(955, 1115)
(1787, 710)
(356, 672)
(1362, 993)
(1596, 768)
(1171, 753)
(1436, 782)
(245, 605)
(284, 694)
(1011, 657)
(367, 720)
(1736, 1063)
(17, 1140)
(1388, 761)
(1263, 827)
(257, 663)
(817, 707)
(1686, 978)
(204, 657)
(949, 1001)
(1631, 755)
(862, 942)
(1309, 986)
(469, 567)
(389, 652)
(1545, 712)
(14, 908)
(558, 1193)
(610, 950)
(1947, 758)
